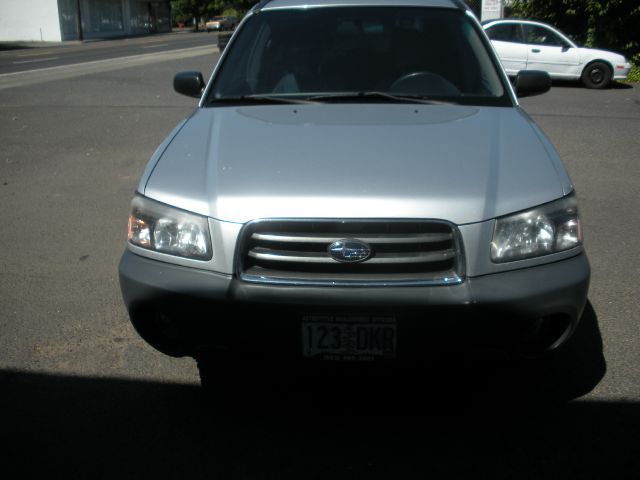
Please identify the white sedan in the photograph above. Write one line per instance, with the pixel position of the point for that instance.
(529, 45)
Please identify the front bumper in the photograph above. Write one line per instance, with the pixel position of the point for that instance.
(180, 310)
(621, 72)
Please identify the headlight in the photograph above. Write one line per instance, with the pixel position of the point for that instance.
(159, 227)
(550, 228)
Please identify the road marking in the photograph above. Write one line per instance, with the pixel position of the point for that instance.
(36, 60)
(156, 46)
(48, 52)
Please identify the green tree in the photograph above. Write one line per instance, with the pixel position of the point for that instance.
(186, 10)
(608, 24)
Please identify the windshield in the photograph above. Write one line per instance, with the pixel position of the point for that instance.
(350, 54)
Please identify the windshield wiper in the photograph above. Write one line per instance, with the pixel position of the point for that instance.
(329, 97)
(381, 96)
(262, 99)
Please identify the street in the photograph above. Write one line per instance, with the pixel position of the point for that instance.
(82, 394)
(22, 59)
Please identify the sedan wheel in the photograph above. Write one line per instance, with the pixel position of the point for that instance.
(596, 75)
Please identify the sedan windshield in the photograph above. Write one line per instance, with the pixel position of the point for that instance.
(359, 54)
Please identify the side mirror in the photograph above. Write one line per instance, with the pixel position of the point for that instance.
(566, 48)
(532, 82)
(189, 84)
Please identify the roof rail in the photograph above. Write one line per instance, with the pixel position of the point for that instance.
(263, 3)
(260, 5)
(461, 5)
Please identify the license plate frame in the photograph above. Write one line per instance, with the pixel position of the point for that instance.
(349, 338)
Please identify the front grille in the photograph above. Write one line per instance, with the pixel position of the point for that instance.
(402, 252)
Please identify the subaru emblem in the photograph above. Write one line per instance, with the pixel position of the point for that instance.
(349, 251)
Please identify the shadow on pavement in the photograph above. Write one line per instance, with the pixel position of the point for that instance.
(615, 85)
(473, 419)
(621, 86)
(14, 46)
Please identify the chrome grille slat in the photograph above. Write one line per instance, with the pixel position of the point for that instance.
(403, 252)
(291, 257)
(310, 257)
(378, 239)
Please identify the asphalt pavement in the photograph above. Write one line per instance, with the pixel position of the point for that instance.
(83, 395)
(18, 57)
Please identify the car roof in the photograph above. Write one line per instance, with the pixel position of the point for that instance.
(279, 4)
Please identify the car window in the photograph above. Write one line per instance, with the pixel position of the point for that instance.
(506, 32)
(537, 35)
(399, 50)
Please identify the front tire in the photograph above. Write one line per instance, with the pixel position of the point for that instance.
(597, 75)
(207, 371)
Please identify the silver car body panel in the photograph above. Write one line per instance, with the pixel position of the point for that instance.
(456, 163)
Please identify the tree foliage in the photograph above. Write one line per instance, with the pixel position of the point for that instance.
(608, 24)
(186, 10)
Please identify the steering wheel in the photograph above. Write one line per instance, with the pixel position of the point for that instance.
(424, 83)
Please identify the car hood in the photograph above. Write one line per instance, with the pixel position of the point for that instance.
(588, 54)
(456, 163)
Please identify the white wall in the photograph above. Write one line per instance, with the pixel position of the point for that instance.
(29, 20)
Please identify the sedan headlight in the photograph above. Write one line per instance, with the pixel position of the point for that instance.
(159, 227)
(550, 228)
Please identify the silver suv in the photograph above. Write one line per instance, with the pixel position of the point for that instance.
(358, 183)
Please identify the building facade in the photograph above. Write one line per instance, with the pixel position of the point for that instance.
(57, 20)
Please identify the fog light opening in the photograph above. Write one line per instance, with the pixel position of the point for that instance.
(167, 327)
(545, 333)
(160, 331)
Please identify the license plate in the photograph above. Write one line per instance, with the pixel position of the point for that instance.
(349, 338)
